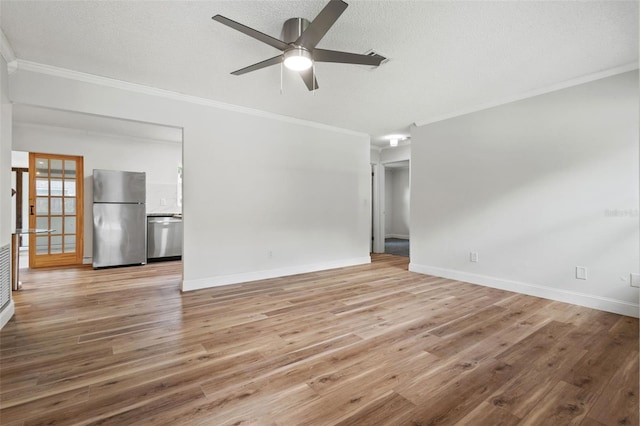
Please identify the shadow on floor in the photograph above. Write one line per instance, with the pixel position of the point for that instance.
(396, 246)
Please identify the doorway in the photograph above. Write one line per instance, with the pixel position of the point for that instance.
(397, 202)
(20, 192)
(20, 204)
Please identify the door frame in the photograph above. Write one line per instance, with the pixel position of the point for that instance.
(379, 201)
(378, 207)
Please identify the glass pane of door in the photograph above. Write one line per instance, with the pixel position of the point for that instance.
(42, 245)
(42, 167)
(56, 168)
(70, 169)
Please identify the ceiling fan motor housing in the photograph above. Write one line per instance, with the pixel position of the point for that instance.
(293, 29)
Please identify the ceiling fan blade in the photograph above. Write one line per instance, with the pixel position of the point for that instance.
(322, 55)
(323, 22)
(271, 41)
(309, 79)
(259, 65)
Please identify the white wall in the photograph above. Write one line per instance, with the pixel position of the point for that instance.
(532, 187)
(398, 153)
(263, 195)
(159, 160)
(397, 202)
(20, 159)
(375, 155)
(5, 174)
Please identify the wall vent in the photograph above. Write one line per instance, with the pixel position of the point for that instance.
(5, 276)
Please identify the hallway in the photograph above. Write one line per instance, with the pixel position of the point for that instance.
(396, 247)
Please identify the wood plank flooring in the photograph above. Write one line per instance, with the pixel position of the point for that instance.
(366, 345)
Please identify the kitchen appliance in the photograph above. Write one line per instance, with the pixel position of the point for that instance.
(164, 237)
(119, 218)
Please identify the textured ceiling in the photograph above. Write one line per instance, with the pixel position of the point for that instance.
(445, 56)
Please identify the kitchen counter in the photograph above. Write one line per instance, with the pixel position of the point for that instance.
(176, 215)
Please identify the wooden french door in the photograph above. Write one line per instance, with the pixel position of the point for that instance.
(56, 203)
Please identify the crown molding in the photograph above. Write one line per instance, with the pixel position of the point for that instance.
(5, 48)
(564, 85)
(23, 65)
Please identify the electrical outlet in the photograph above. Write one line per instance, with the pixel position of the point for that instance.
(473, 256)
(163, 201)
(581, 272)
(635, 280)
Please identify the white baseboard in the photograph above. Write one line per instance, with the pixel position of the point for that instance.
(201, 283)
(399, 236)
(87, 260)
(7, 313)
(575, 298)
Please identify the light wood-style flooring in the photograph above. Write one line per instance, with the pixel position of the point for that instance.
(366, 345)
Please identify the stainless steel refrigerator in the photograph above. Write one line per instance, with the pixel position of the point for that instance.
(119, 218)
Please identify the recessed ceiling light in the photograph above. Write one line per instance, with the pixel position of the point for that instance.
(394, 139)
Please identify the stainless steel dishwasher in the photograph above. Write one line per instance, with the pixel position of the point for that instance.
(164, 237)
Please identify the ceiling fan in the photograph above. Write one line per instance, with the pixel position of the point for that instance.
(298, 45)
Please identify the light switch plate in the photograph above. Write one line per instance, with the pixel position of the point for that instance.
(635, 280)
(581, 272)
(473, 256)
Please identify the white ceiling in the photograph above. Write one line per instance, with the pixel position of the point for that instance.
(445, 56)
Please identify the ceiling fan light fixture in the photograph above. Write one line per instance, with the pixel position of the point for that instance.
(297, 59)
